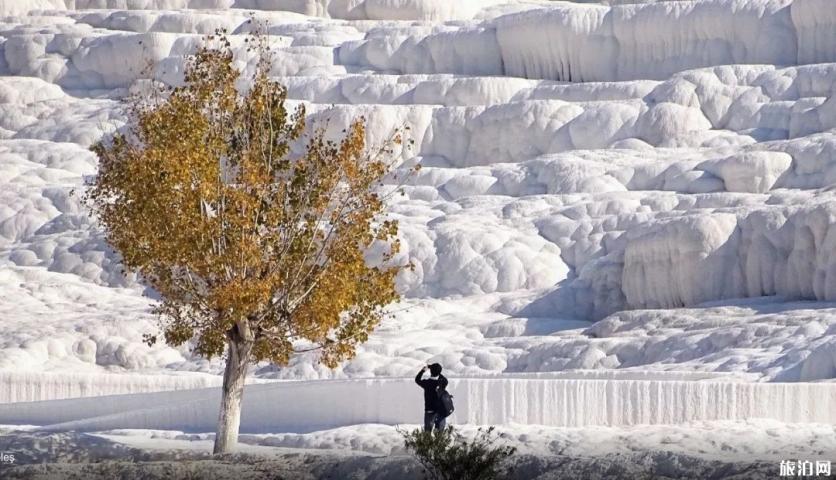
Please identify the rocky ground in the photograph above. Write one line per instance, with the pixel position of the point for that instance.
(83, 456)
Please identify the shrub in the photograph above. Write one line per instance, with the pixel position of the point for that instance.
(447, 455)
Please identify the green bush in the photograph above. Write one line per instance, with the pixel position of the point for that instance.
(448, 455)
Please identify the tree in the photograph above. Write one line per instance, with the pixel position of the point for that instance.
(253, 250)
(448, 455)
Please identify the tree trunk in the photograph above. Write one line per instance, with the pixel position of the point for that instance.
(239, 343)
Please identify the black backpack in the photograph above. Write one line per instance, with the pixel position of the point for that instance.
(446, 402)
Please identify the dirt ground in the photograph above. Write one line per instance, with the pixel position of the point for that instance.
(78, 456)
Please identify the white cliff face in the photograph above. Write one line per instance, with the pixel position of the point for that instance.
(661, 168)
(544, 400)
(593, 42)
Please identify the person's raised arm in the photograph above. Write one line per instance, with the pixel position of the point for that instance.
(420, 373)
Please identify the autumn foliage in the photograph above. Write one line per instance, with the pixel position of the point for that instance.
(252, 248)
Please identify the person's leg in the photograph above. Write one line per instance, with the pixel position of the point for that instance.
(428, 421)
(440, 422)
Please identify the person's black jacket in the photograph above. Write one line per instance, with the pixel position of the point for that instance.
(431, 401)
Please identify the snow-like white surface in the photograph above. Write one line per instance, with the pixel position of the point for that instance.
(650, 40)
(316, 405)
(678, 192)
(30, 387)
(427, 10)
(767, 440)
(593, 42)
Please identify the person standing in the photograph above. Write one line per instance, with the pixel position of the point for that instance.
(433, 409)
